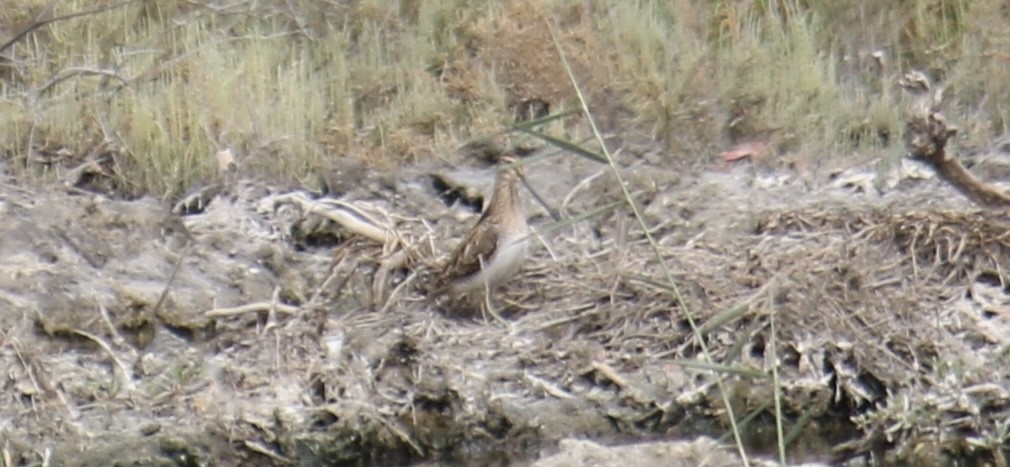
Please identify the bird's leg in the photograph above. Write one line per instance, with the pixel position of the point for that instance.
(486, 307)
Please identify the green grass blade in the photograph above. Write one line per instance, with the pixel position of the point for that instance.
(529, 124)
(568, 146)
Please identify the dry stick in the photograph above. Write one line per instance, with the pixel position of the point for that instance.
(116, 337)
(120, 369)
(610, 373)
(547, 386)
(536, 234)
(926, 136)
(260, 448)
(47, 387)
(584, 183)
(38, 22)
(568, 319)
(381, 276)
(348, 215)
(78, 71)
(396, 292)
(723, 391)
(251, 307)
(29, 371)
(275, 299)
(171, 278)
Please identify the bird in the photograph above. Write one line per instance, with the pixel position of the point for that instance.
(494, 249)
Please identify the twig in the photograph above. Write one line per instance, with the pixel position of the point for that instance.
(171, 277)
(926, 136)
(396, 292)
(42, 384)
(28, 370)
(39, 22)
(608, 372)
(116, 337)
(381, 276)
(120, 369)
(249, 308)
(568, 319)
(259, 448)
(547, 386)
(534, 233)
(77, 71)
(348, 215)
(579, 186)
(275, 299)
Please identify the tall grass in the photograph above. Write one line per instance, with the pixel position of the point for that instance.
(181, 82)
(710, 75)
(295, 87)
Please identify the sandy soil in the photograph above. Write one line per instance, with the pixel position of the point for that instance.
(247, 331)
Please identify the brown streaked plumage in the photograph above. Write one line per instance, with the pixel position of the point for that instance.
(493, 251)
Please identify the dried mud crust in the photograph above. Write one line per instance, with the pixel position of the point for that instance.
(229, 336)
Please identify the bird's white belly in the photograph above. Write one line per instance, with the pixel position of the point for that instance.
(502, 265)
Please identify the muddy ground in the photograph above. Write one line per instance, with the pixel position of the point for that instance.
(242, 330)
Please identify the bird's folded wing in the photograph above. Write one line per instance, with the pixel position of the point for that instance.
(478, 246)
